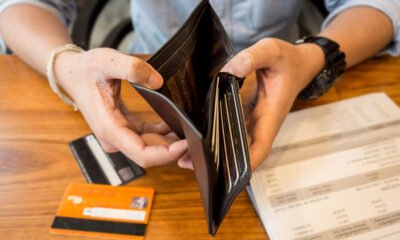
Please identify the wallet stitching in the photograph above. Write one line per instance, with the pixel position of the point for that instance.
(159, 53)
(183, 43)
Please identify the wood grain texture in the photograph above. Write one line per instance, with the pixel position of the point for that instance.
(36, 164)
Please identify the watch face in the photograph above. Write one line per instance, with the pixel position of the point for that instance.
(322, 41)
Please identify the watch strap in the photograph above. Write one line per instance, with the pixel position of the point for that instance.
(334, 67)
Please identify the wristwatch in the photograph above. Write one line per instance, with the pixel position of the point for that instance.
(334, 68)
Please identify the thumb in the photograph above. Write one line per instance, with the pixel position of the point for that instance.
(133, 69)
(240, 65)
(263, 54)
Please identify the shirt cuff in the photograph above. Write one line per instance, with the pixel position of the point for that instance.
(388, 7)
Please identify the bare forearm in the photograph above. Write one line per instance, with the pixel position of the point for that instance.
(32, 32)
(361, 32)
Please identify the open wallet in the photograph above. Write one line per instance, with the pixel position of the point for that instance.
(203, 105)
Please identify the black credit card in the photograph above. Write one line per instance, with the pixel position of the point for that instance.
(103, 168)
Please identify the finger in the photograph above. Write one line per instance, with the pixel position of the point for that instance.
(263, 132)
(148, 151)
(107, 147)
(160, 156)
(117, 65)
(140, 127)
(171, 137)
(142, 152)
(248, 93)
(253, 58)
(160, 128)
(261, 141)
(185, 162)
(249, 106)
(154, 139)
(112, 127)
(265, 121)
(134, 122)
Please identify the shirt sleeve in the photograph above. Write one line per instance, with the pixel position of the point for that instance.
(389, 7)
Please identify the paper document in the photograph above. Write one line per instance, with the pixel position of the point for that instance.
(334, 173)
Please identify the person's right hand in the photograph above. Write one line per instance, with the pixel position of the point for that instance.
(92, 79)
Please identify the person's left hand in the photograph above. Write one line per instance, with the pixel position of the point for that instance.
(282, 71)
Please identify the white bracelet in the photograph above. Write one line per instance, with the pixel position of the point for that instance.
(50, 72)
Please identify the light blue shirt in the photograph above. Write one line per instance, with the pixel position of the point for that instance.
(246, 21)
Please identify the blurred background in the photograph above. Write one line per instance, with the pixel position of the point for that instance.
(113, 13)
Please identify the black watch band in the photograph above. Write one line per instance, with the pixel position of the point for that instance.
(334, 68)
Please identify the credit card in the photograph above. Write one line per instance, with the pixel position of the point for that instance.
(234, 153)
(225, 156)
(215, 130)
(93, 210)
(240, 130)
(232, 147)
(100, 167)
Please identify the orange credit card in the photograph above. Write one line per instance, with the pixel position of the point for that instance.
(104, 211)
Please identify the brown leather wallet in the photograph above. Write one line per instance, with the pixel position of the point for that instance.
(203, 105)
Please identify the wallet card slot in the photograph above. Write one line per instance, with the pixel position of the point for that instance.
(225, 156)
(232, 148)
(240, 130)
(181, 89)
(234, 171)
(215, 143)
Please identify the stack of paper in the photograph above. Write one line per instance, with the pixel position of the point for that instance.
(334, 173)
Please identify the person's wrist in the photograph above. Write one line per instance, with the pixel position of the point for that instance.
(312, 61)
(63, 70)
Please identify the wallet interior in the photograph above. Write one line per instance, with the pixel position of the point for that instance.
(203, 105)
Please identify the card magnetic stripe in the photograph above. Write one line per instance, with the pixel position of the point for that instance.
(87, 162)
(88, 225)
(104, 161)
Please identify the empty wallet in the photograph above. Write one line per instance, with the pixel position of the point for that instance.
(203, 105)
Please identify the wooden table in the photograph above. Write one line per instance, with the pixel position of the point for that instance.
(36, 164)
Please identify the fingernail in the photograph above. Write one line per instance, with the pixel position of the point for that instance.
(146, 85)
(184, 143)
(179, 146)
(155, 81)
(185, 163)
(180, 163)
(226, 68)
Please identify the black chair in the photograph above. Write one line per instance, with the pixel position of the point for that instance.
(320, 4)
(88, 12)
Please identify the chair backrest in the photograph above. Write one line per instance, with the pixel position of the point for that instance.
(320, 4)
(88, 13)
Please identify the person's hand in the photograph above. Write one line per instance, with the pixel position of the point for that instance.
(92, 79)
(282, 71)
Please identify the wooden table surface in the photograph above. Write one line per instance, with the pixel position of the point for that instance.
(36, 164)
